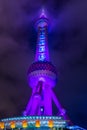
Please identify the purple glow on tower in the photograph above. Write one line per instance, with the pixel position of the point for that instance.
(42, 76)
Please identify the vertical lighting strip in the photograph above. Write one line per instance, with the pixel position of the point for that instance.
(42, 52)
(41, 44)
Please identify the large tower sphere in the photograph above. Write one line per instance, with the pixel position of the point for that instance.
(42, 71)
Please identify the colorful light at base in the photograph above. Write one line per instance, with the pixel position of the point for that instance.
(12, 124)
(34, 122)
(50, 123)
(24, 124)
(37, 123)
(2, 125)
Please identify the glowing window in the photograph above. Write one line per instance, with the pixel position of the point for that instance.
(42, 36)
(41, 48)
(42, 56)
(41, 42)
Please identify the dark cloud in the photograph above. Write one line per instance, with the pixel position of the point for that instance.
(67, 42)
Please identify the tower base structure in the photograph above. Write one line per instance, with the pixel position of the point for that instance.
(37, 123)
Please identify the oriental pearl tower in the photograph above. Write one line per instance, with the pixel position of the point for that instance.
(42, 78)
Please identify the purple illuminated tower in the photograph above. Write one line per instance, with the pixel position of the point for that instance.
(42, 76)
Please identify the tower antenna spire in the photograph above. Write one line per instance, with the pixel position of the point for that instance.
(43, 14)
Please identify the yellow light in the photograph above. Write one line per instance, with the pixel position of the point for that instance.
(24, 124)
(50, 123)
(12, 124)
(2, 126)
(37, 124)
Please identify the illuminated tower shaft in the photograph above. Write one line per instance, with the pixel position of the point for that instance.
(42, 53)
(42, 76)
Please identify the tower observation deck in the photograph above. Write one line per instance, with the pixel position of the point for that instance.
(42, 78)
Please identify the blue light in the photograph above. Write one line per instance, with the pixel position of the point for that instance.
(41, 48)
(42, 37)
(41, 43)
(42, 56)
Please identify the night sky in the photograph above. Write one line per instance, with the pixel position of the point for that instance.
(68, 51)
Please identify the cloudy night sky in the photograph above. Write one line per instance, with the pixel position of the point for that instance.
(68, 51)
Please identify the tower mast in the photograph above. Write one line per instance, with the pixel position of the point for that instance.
(42, 53)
